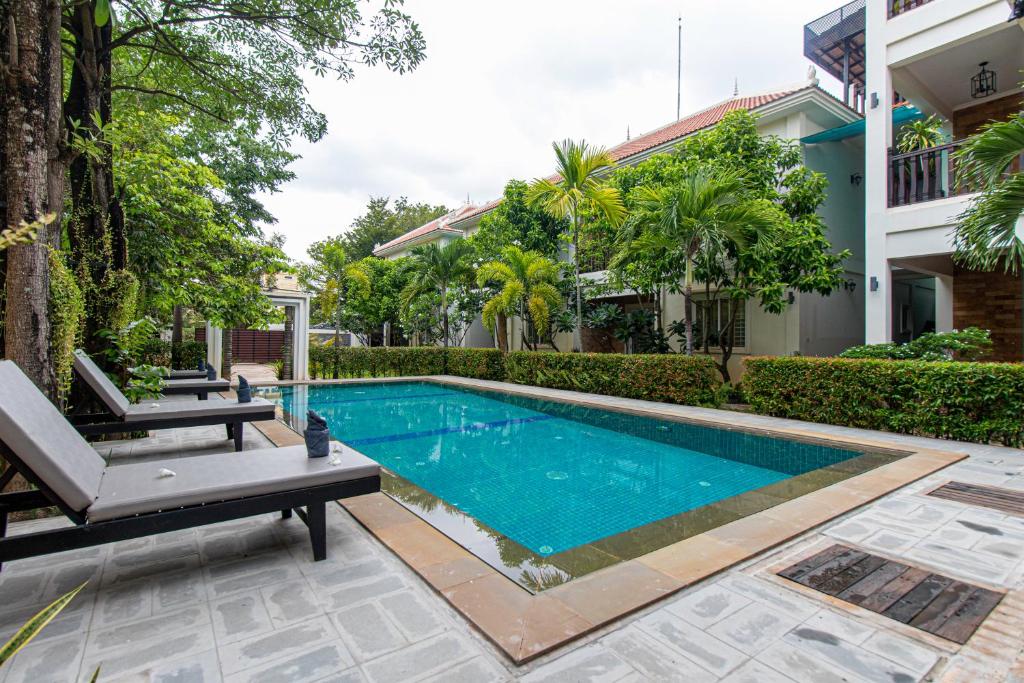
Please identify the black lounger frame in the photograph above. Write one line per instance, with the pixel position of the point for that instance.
(314, 499)
(99, 423)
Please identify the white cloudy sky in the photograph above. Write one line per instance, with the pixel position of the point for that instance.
(502, 80)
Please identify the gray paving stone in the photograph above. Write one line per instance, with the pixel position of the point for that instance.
(353, 675)
(178, 590)
(123, 603)
(594, 663)
(753, 628)
(422, 659)
(290, 602)
(65, 579)
(705, 606)
(151, 655)
(253, 581)
(350, 573)
(784, 601)
(367, 632)
(476, 670)
(889, 541)
(653, 659)
(847, 656)
(844, 626)
(19, 590)
(159, 551)
(412, 616)
(711, 653)
(804, 666)
(346, 597)
(903, 651)
(201, 668)
(145, 630)
(239, 617)
(756, 672)
(312, 665)
(270, 647)
(150, 570)
(55, 660)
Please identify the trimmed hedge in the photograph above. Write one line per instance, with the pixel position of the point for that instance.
(184, 357)
(979, 402)
(329, 362)
(476, 363)
(668, 378)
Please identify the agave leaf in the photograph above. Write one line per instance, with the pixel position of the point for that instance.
(36, 624)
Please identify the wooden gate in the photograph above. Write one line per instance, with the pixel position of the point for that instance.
(256, 346)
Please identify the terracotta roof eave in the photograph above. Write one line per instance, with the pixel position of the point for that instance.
(391, 247)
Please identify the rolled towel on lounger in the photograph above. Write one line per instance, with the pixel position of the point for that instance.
(211, 373)
(318, 437)
(201, 366)
(244, 390)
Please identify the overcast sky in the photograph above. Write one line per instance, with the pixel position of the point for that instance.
(501, 81)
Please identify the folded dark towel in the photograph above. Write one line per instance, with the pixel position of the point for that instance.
(318, 437)
(244, 391)
(211, 373)
(202, 365)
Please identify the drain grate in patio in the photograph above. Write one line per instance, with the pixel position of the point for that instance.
(1004, 500)
(934, 603)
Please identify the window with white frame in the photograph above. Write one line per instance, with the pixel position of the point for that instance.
(710, 316)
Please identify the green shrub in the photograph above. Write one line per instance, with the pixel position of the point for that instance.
(328, 362)
(476, 363)
(668, 378)
(186, 355)
(971, 343)
(979, 402)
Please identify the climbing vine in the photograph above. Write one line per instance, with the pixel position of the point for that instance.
(67, 312)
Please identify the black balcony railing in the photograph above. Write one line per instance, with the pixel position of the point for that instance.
(897, 7)
(923, 175)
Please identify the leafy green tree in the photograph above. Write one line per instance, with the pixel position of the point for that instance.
(577, 191)
(383, 222)
(434, 270)
(515, 222)
(704, 218)
(526, 281)
(986, 232)
(334, 279)
(380, 304)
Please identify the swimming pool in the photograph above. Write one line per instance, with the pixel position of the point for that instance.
(553, 477)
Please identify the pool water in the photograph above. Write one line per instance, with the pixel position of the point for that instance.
(550, 476)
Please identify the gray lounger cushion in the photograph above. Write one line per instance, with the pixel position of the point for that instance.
(105, 390)
(137, 489)
(46, 442)
(176, 410)
(188, 374)
(211, 385)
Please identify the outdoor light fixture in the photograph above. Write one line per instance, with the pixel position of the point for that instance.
(856, 178)
(984, 83)
(874, 100)
(874, 283)
(849, 285)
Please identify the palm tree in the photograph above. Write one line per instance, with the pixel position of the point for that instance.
(986, 231)
(434, 269)
(577, 191)
(527, 281)
(703, 217)
(334, 278)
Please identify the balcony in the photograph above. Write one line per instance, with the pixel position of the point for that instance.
(923, 175)
(898, 7)
(836, 43)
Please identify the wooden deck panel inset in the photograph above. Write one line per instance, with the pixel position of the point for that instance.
(931, 602)
(993, 497)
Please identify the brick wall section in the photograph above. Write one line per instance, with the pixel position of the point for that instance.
(968, 121)
(991, 301)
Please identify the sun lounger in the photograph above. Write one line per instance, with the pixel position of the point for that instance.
(108, 504)
(123, 416)
(199, 387)
(188, 374)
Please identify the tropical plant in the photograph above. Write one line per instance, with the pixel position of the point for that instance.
(515, 222)
(986, 232)
(921, 134)
(969, 344)
(703, 217)
(435, 269)
(33, 626)
(576, 192)
(526, 282)
(334, 279)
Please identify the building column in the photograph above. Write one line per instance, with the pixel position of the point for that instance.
(213, 345)
(943, 303)
(300, 344)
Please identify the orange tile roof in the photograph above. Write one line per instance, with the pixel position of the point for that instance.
(433, 226)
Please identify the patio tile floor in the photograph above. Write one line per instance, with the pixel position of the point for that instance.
(242, 601)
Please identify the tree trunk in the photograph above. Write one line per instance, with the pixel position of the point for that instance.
(176, 336)
(225, 354)
(501, 331)
(727, 341)
(444, 314)
(30, 113)
(577, 334)
(688, 317)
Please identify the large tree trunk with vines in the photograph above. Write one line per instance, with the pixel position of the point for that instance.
(30, 114)
(96, 229)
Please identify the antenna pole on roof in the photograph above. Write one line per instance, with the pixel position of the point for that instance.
(679, 68)
(736, 87)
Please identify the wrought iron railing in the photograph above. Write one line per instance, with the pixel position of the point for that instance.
(897, 7)
(923, 175)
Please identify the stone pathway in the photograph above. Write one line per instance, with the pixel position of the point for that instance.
(242, 601)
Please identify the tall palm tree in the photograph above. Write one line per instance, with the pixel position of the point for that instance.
(703, 217)
(334, 279)
(578, 190)
(527, 281)
(986, 231)
(434, 269)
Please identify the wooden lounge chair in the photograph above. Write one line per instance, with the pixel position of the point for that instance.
(123, 416)
(110, 504)
(199, 387)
